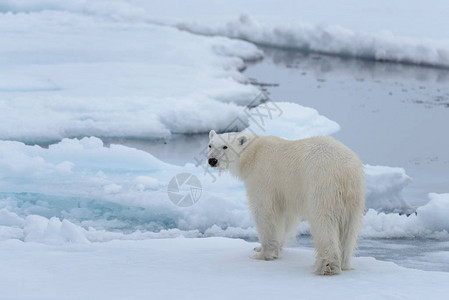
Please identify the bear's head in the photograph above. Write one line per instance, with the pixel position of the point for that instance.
(225, 150)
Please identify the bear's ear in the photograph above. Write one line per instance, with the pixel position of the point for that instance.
(212, 133)
(242, 140)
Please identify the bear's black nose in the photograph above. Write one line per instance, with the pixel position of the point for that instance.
(213, 162)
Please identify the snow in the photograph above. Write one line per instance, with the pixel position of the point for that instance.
(72, 75)
(288, 120)
(345, 28)
(333, 40)
(52, 231)
(384, 189)
(196, 269)
(430, 220)
(434, 214)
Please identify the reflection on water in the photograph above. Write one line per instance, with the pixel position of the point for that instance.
(321, 65)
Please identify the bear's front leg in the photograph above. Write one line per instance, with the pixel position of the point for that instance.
(268, 232)
(269, 251)
(267, 218)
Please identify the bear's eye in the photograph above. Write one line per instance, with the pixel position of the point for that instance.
(225, 147)
(210, 146)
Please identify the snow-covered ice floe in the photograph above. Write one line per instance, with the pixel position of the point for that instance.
(333, 40)
(429, 221)
(288, 120)
(72, 75)
(210, 268)
(383, 31)
(384, 189)
(81, 191)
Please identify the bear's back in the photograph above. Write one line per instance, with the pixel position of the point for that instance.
(315, 154)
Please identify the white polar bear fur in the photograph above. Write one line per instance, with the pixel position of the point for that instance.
(317, 179)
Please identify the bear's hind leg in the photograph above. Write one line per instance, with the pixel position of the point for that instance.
(349, 242)
(349, 238)
(327, 247)
(352, 220)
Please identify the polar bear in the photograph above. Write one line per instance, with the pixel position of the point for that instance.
(316, 179)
